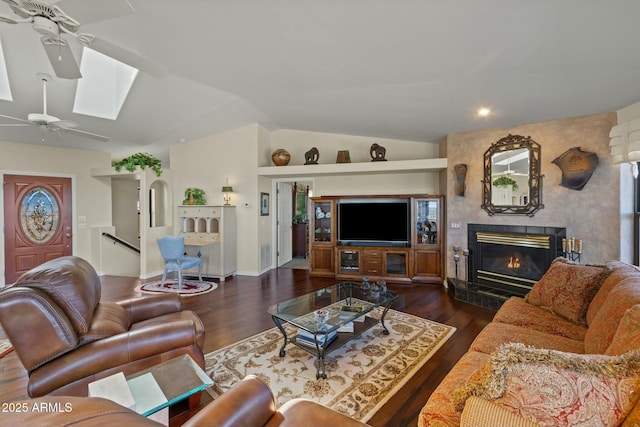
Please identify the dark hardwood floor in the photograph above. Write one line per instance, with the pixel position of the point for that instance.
(238, 309)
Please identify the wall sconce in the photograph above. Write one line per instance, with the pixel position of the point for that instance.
(227, 190)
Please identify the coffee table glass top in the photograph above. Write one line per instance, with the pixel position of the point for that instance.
(300, 311)
(167, 383)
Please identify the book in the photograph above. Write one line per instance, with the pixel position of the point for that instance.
(347, 327)
(115, 388)
(310, 336)
(312, 343)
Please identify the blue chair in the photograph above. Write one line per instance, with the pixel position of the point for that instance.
(172, 250)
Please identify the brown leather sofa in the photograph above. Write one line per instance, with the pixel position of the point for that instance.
(66, 338)
(250, 403)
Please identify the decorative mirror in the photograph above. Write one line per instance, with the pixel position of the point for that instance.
(512, 181)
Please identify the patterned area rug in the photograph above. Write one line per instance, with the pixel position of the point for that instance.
(362, 374)
(5, 348)
(189, 287)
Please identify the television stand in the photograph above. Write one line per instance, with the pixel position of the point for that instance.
(419, 261)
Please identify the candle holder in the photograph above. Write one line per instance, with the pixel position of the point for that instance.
(572, 249)
(466, 264)
(456, 259)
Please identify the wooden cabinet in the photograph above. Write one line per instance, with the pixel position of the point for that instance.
(428, 240)
(323, 242)
(300, 233)
(421, 261)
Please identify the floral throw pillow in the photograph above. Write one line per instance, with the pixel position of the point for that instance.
(555, 388)
(567, 289)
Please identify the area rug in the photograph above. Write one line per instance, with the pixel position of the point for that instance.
(362, 374)
(5, 348)
(189, 287)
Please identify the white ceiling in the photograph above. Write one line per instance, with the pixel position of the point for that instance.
(405, 69)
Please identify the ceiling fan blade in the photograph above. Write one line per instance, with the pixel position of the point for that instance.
(130, 58)
(64, 124)
(87, 134)
(14, 125)
(61, 58)
(8, 19)
(15, 118)
(87, 11)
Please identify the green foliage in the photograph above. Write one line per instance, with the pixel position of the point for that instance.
(194, 196)
(139, 159)
(503, 181)
(299, 218)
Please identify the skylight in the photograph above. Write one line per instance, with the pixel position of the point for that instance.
(5, 89)
(104, 85)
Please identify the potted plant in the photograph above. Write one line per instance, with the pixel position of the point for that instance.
(503, 181)
(139, 159)
(194, 196)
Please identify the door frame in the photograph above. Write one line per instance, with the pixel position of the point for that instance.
(74, 212)
(275, 225)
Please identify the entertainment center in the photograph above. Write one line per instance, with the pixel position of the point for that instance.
(396, 238)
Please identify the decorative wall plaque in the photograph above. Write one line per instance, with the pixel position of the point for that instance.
(577, 166)
(461, 173)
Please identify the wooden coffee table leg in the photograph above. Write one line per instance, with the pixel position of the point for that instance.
(194, 400)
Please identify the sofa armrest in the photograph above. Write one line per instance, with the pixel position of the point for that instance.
(249, 403)
(479, 412)
(147, 307)
(305, 413)
(111, 353)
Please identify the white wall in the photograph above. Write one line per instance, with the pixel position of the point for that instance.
(92, 197)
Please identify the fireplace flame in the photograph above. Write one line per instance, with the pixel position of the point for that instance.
(514, 262)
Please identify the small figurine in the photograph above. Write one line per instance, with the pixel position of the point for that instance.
(377, 153)
(311, 157)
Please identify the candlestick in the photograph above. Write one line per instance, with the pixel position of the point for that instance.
(579, 246)
(564, 245)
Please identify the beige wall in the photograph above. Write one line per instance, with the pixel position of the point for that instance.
(590, 214)
(206, 163)
(92, 197)
(297, 143)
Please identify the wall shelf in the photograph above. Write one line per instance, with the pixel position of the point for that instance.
(395, 166)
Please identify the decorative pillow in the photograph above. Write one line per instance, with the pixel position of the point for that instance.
(627, 335)
(555, 388)
(567, 289)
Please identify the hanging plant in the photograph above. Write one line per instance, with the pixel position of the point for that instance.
(194, 196)
(503, 181)
(139, 159)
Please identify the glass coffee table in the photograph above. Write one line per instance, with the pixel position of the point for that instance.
(345, 308)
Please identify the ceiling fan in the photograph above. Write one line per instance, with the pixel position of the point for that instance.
(49, 123)
(65, 17)
(509, 172)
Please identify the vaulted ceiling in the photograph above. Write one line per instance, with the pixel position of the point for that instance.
(405, 69)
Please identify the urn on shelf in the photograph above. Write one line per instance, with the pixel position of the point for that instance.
(281, 157)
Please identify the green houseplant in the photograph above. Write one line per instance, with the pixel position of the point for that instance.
(503, 181)
(194, 196)
(139, 159)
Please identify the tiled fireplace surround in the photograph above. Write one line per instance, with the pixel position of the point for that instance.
(503, 261)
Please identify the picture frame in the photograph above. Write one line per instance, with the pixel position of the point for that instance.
(264, 204)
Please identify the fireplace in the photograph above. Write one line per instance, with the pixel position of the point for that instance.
(505, 261)
(510, 257)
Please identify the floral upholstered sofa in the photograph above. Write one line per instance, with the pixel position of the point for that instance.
(568, 353)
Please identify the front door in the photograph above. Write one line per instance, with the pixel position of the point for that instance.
(37, 222)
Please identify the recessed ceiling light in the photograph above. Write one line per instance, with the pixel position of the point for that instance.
(484, 112)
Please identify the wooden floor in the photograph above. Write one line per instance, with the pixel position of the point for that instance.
(238, 309)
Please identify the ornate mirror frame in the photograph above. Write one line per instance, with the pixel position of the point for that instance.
(508, 143)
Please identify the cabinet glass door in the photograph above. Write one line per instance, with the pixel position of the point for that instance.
(322, 221)
(427, 222)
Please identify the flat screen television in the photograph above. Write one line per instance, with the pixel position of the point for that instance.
(374, 222)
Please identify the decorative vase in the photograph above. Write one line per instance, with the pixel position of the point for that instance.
(281, 157)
